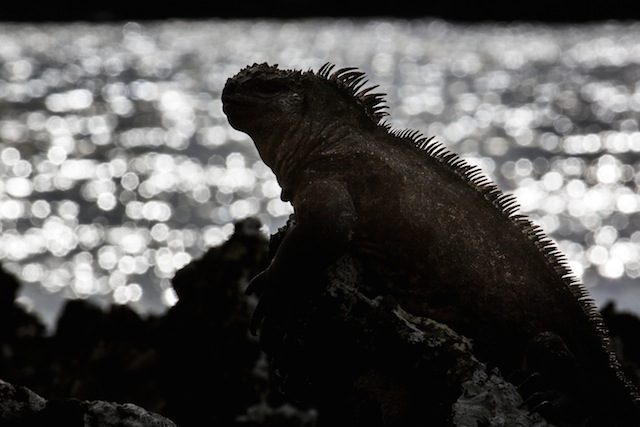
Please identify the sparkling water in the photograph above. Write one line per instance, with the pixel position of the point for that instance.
(118, 166)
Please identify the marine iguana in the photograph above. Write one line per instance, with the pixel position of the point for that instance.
(447, 242)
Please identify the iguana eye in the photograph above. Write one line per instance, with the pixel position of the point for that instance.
(269, 87)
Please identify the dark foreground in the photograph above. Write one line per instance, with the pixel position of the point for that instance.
(198, 364)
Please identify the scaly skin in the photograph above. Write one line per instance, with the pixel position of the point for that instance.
(437, 235)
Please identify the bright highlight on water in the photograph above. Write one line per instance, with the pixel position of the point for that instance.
(118, 167)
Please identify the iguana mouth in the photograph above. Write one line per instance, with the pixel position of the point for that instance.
(233, 103)
(238, 106)
(231, 98)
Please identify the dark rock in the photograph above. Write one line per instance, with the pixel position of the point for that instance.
(16, 325)
(21, 336)
(205, 342)
(363, 360)
(488, 400)
(100, 413)
(20, 407)
(197, 364)
(337, 354)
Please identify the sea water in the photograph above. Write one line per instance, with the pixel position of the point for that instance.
(118, 166)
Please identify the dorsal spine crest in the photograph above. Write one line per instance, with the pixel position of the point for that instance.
(351, 81)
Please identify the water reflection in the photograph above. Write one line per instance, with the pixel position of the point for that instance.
(118, 166)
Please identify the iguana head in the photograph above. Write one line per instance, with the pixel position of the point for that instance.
(288, 113)
(262, 97)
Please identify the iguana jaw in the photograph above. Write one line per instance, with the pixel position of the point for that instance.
(249, 114)
(242, 111)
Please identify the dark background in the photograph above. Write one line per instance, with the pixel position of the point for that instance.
(470, 11)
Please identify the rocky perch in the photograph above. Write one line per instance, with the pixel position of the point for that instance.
(20, 406)
(362, 360)
(341, 355)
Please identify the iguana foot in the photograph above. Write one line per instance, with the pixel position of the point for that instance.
(271, 313)
(552, 405)
(551, 381)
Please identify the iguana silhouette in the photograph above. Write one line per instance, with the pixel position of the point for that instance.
(447, 243)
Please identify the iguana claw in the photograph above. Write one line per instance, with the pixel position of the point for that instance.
(257, 284)
(256, 318)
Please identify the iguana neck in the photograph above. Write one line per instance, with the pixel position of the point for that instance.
(293, 153)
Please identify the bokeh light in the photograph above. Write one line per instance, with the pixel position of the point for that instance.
(118, 166)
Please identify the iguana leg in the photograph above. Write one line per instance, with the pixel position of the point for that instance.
(554, 379)
(324, 221)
